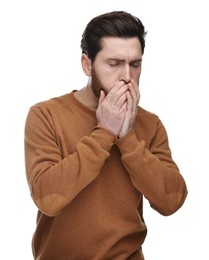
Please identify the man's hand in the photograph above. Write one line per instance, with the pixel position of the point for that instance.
(112, 108)
(133, 97)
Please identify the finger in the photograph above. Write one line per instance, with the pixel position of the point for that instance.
(101, 97)
(116, 92)
(121, 100)
(134, 91)
(130, 103)
(123, 108)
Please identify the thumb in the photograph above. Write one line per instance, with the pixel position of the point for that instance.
(102, 96)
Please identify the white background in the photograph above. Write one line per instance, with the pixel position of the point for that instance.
(40, 59)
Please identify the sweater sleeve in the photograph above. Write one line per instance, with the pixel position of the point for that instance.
(153, 171)
(55, 181)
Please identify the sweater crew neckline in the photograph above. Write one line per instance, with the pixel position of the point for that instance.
(80, 105)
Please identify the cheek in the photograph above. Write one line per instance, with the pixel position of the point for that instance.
(136, 75)
(107, 80)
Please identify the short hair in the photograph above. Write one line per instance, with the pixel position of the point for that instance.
(115, 24)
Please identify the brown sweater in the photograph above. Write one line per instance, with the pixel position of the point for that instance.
(88, 185)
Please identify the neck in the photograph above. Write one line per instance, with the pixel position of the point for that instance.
(87, 97)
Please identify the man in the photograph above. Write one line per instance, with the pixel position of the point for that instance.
(91, 155)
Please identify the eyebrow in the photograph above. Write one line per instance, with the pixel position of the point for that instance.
(122, 60)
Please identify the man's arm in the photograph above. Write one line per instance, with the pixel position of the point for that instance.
(153, 171)
(55, 181)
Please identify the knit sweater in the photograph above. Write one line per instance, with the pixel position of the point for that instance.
(89, 185)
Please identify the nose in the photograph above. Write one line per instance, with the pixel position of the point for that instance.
(126, 73)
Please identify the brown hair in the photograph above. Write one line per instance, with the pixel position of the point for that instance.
(115, 24)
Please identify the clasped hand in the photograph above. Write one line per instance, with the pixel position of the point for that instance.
(117, 110)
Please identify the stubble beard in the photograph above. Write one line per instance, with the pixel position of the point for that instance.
(96, 84)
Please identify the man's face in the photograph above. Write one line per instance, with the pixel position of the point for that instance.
(119, 60)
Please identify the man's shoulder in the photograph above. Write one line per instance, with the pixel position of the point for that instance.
(146, 114)
(53, 107)
(147, 123)
(54, 102)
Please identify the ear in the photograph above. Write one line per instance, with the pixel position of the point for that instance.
(86, 64)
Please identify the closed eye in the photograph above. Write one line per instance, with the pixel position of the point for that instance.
(136, 64)
(114, 63)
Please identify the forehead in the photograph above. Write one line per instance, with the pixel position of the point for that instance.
(121, 47)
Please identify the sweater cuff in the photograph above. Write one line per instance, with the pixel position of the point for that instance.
(104, 137)
(127, 143)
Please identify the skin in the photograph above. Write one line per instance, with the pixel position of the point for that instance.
(112, 89)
